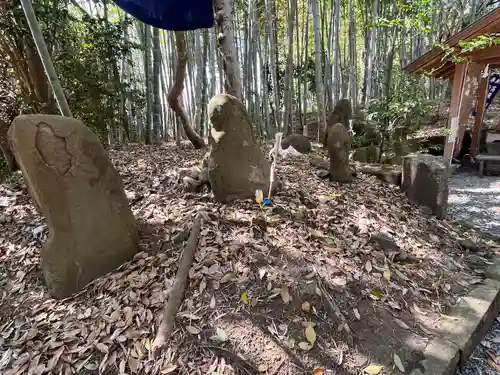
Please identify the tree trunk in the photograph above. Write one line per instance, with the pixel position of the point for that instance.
(148, 74)
(227, 47)
(156, 87)
(176, 91)
(353, 77)
(45, 57)
(204, 85)
(319, 71)
(371, 52)
(271, 31)
(287, 123)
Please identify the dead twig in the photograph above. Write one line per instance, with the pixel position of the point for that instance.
(176, 295)
(249, 369)
(333, 310)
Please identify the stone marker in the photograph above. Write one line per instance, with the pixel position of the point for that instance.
(425, 182)
(384, 172)
(341, 114)
(91, 227)
(368, 154)
(236, 166)
(298, 141)
(339, 145)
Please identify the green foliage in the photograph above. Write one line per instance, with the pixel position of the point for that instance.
(403, 109)
(455, 54)
(86, 52)
(414, 15)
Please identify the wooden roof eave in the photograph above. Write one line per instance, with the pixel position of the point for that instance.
(434, 57)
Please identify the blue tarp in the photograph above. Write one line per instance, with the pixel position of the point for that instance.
(493, 88)
(176, 15)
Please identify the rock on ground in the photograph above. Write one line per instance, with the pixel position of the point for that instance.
(339, 145)
(384, 172)
(70, 177)
(368, 154)
(425, 182)
(236, 166)
(298, 141)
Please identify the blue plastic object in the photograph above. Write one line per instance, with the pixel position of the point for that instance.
(175, 15)
(266, 202)
(493, 89)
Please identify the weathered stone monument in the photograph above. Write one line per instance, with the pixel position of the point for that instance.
(341, 114)
(339, 146)
(368, 154)
(91, 227)
(425, 182)
(236, 165)
(298, 141)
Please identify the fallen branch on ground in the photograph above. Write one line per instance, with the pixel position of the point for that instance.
(333, 310)
(249, 369)
(176, 294)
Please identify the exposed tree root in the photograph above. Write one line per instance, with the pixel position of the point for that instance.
(176, 294)
(174, 95)
(230, 356)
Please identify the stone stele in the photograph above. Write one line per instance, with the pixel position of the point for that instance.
(70, 176)
(236, 164)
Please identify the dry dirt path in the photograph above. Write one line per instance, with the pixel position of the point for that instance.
(477, 201)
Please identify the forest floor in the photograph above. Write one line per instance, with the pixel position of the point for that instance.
(336, 279)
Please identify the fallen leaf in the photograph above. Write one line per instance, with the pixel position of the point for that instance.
(262, 273)
(244, 298)
(417, 309)
(91, 366)
(262, 368)
(147, 344)
(220, 335)
(132, 364)
(373, 369)
(101, 347)
(356, 313)
(168, 369)
(285, 294)
(398, 363)
(448, 317)
(318, 371)
(203, 285)
(306, 306)
(305, 346)
(317, 234)
(368, 266)
(339, 280)
(310, 334)
(193, 330)
(212, 302)
(375, 293)
(387, 273)
(190, 316)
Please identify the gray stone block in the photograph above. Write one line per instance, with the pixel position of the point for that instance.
(441, 358)
(493, 270)
(425, 182)
(472, 317)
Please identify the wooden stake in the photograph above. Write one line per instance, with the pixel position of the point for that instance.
(176, 293)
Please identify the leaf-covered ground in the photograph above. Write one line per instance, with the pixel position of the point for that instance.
(304, 288)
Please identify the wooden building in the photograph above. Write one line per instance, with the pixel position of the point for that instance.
(469, 78)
